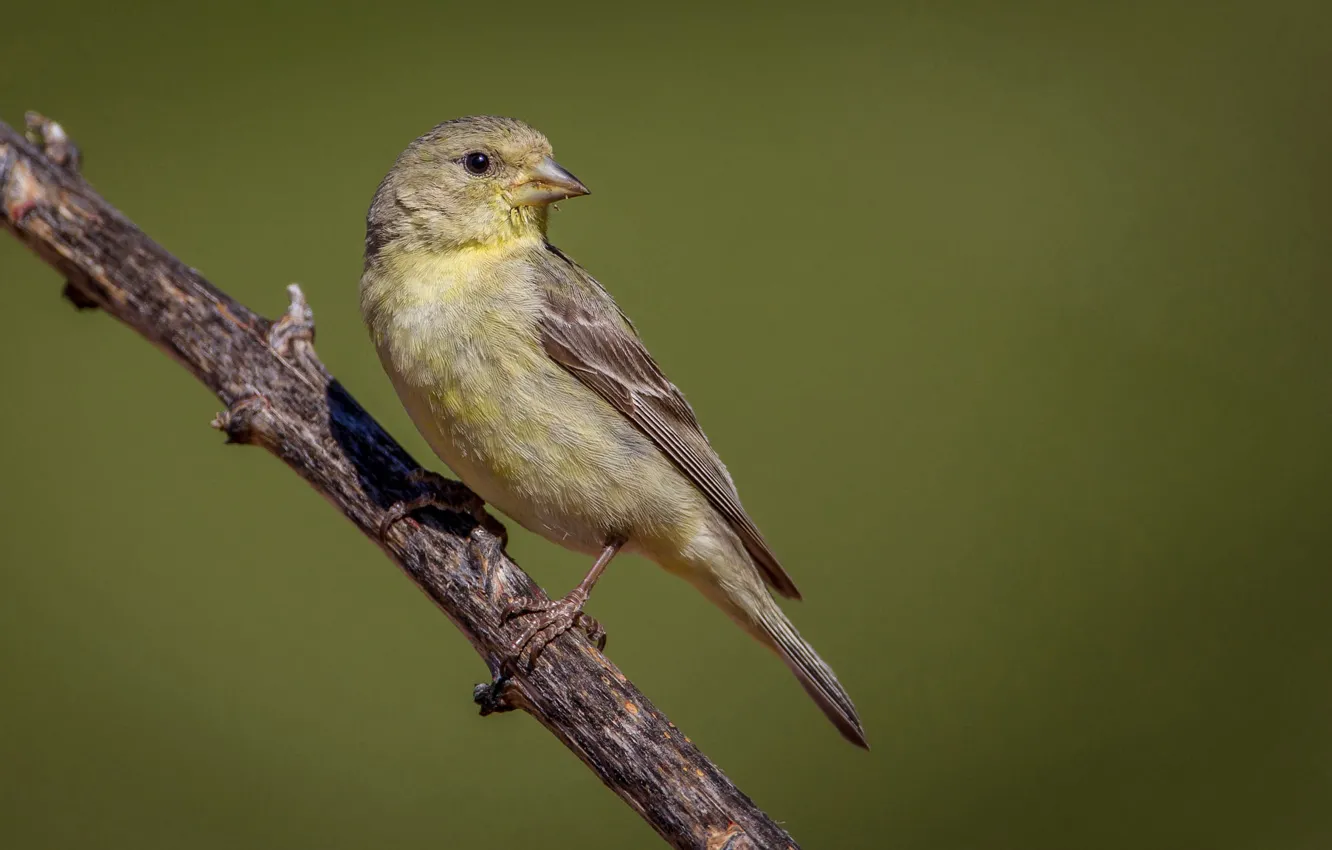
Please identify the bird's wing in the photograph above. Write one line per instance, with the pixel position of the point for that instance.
(584, 332)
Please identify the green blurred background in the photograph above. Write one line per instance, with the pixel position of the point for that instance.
(1011, 321)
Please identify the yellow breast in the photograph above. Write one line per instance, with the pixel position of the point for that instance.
(459, 337)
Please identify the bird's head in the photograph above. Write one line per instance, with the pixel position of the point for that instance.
(468, 182)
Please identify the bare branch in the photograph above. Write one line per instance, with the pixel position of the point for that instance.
(278, 395)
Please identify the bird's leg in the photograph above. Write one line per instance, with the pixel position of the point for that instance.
(443, 493)
(550, 619)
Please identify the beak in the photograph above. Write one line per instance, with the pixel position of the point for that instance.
(545, 183)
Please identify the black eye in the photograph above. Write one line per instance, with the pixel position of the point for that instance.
(476, 162)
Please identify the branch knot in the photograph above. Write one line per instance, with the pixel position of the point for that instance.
(292, 335)
(239, 420)
(494, 697)
(53, 141)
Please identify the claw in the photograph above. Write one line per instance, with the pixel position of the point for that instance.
(523, 605)
(541, 639)
(595, 631)
(550, 619)
(443, 493)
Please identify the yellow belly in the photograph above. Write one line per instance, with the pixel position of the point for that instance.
(523, 433)
(555, 458)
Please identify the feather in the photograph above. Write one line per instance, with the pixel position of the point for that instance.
(584, 331)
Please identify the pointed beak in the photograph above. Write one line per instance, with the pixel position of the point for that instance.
(545, 183)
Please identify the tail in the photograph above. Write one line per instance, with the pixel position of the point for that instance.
(751, 606)
(817, 678)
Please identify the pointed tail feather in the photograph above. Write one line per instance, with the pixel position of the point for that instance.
(818, 679)
(740, 592)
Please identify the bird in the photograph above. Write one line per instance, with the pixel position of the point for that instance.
(528, 381)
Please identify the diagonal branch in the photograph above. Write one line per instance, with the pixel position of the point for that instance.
(279, 396)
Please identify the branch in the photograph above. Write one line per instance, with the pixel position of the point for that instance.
(279, 396)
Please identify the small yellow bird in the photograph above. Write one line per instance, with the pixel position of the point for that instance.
(527, 380)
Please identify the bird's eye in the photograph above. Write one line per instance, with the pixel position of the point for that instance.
(476, 163)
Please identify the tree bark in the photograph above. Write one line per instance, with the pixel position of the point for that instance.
(279, 396)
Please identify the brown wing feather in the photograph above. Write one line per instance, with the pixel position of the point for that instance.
(584, 332)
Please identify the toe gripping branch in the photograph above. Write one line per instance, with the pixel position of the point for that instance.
(436, 491)
(546, 620)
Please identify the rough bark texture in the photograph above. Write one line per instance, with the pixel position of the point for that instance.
(278, 395)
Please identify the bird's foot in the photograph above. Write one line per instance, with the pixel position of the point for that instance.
(548, 619)
(445, 494)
